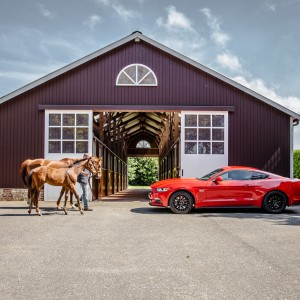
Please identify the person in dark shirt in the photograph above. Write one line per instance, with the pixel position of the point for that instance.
(83, 179)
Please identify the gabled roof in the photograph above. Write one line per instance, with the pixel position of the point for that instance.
(139, 35)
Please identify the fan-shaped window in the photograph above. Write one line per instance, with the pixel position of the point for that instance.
(136, 74)
(143, 144)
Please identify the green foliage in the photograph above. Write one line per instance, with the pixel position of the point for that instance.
(297, 164)
(142, 170)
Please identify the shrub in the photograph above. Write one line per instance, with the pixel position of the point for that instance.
(142, 171)
(297, 164)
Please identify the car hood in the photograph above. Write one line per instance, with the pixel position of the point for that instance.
(175, 181)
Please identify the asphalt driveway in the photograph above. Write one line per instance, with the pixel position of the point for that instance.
(125, 249)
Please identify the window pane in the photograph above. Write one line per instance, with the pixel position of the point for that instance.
(190, 148)
(54, 147)
(218, 134)
(142, 71)
(123, 79)
(68, 133)
(191, 121)
(149, 79)
(81, 147)
(131, 71)
(54, 133)
(68, 147)
(217, 121)
(204, 120)
(68, 120)
(82, 133)
(204, 148)
(204, 134)
(82, 120)
(54, 119)
(190, 134)
(217, 148)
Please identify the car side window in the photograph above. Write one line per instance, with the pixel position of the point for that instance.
(258, 175)
(237, 175)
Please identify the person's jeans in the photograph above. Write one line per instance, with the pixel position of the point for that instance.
(85, 194)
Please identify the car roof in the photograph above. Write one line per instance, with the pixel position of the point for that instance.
(227, 168)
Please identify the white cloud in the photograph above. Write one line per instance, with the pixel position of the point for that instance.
(229, 61)
(259, 86)
(175, 20)
(45, 12)
(92, 21)
(124, 13)
(104, 2)
(272, 7)
(219, 37)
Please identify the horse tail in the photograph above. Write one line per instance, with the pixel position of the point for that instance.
(32, 191)
(23, 171)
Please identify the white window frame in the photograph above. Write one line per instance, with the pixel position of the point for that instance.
(210, 128)
(197, 164)
(143, 144)
(62, 154)
(136, 82)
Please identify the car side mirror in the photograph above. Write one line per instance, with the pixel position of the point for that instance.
(218, 179)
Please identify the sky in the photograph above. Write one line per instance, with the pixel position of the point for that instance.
(256, 43)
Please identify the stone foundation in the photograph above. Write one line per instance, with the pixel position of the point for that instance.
(11, 194)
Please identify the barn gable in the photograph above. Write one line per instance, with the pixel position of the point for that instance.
(139, 38)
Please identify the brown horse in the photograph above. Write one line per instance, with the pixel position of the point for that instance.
(65, 177)
(29, 164)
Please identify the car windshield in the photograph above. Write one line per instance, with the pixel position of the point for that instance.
(211, 174)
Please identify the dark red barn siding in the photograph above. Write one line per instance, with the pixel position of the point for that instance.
(258, 133)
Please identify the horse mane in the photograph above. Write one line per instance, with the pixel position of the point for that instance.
(75, 163)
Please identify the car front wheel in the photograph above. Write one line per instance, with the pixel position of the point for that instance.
(274, 202)
(181, 202)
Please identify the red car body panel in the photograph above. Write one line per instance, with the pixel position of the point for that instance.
(209, 193)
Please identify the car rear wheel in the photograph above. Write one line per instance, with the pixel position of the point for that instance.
(274, 202)
(181, 202)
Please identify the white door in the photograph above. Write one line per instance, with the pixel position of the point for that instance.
(204, 142)
(67, 134)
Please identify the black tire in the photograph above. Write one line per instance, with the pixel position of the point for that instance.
(274, 202)
(181, 202)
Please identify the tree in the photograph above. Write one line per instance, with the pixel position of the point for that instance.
(142, 170)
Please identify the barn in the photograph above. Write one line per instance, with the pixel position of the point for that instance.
(137, 97)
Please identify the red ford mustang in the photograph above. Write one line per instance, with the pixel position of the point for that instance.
(228, 186)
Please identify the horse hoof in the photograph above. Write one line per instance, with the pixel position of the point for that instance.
(29, 212)
(73, 206)
(81, 211)
(58, 207)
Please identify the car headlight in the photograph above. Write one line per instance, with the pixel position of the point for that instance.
(162, 189)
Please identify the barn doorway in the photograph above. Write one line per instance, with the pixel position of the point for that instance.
(124, 137)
